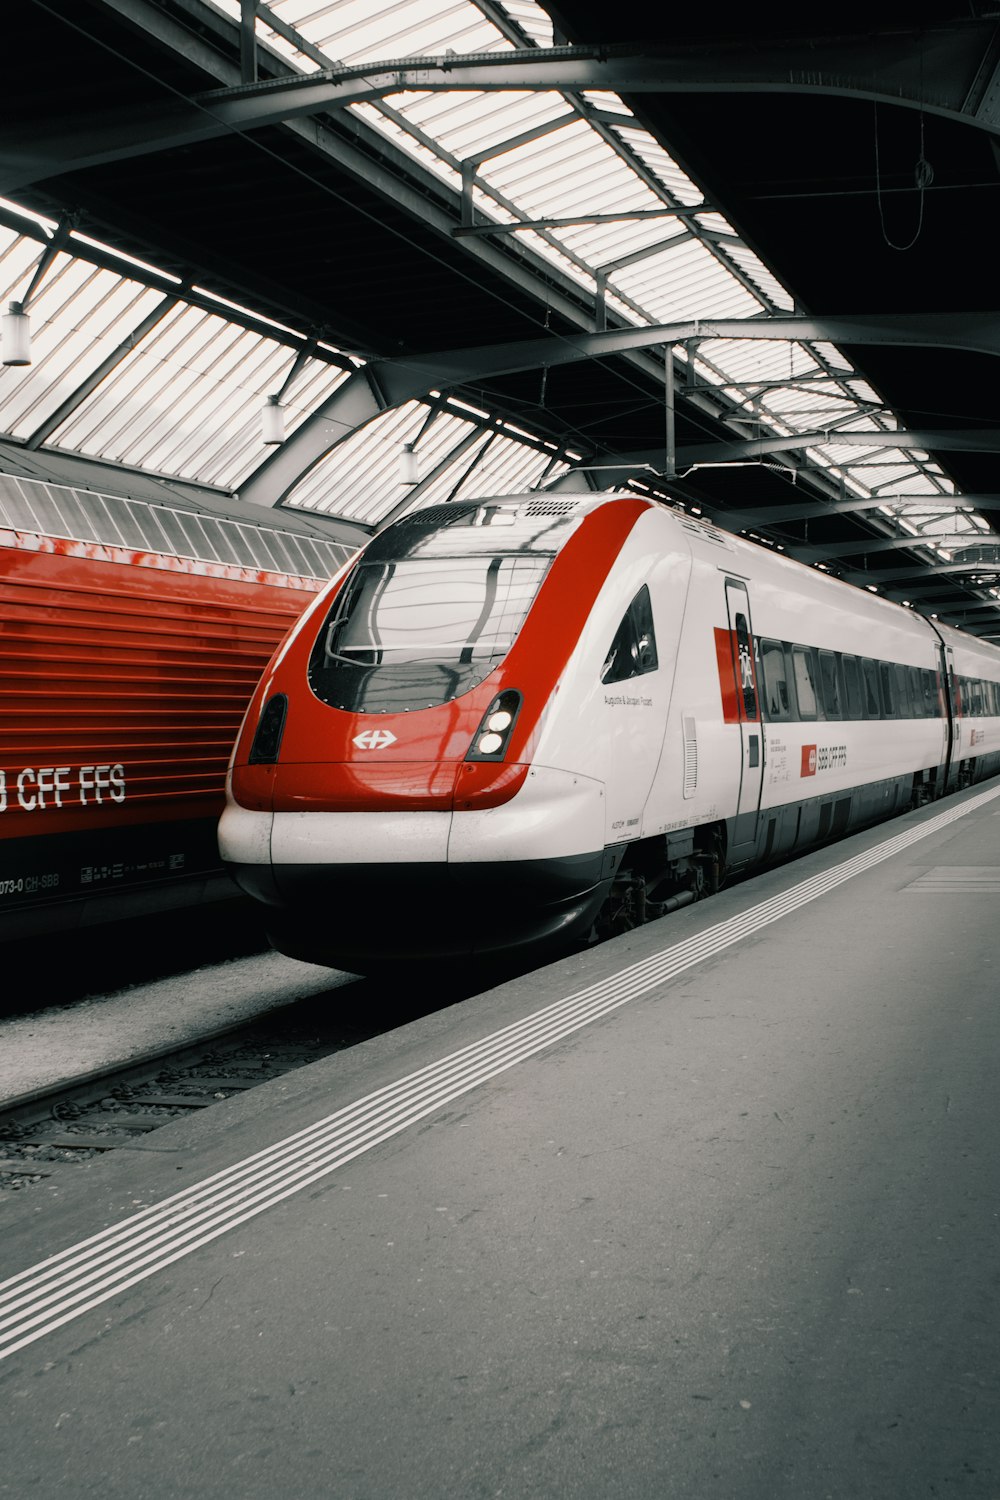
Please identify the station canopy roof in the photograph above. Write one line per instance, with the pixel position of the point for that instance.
(435, 249)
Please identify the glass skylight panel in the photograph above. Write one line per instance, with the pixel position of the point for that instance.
(174, 404)
(686, 282)
(360, 478)
(550, 252)
(468, 123)
(566, 170)
(391, 128)
(606, 103)
(71, 344)
(612, 245)
(505, 467)
(677, 183)
(75, 304)
(532, 20)
(18, 258)
(771, 289)
(748, 359)
(367, 29)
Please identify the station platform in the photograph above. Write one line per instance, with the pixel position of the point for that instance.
(708, 1213)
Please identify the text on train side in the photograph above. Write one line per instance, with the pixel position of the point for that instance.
(61, 786)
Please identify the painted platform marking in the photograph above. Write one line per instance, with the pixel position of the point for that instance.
(67, 1285)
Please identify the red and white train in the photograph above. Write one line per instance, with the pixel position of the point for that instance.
(513, 722)
(132, 634)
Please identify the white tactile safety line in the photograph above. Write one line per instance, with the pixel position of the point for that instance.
(71, 1283)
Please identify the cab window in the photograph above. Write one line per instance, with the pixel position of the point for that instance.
(633, 650)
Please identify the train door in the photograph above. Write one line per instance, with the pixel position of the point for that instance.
(953, 713)
(748, 709)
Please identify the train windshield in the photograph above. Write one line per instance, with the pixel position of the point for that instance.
(417, 632)
(436, 601)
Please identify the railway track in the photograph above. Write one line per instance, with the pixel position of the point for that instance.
(53, 1131)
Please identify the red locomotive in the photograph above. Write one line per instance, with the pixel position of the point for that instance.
(131, 637)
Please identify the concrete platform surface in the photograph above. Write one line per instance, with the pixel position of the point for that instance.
(711, 1212)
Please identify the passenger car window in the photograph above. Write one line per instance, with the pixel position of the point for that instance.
(805, 681)
(930, 693)
(869, 673)
(829, 684)
(633, 650)
(887, 679)
(903, 708)
(852, 682)
(774, 672)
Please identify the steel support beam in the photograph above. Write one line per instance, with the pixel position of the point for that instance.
(985, 440)
(386, 383)
(776, 515)
(864, 547)
(926, 571)
(924, 68)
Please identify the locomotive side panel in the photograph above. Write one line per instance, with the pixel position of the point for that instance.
(849, 694)
(609, 715)
(122, 685)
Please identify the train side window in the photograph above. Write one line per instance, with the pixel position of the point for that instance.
(633, 650)
(903, 708)
(774, 672)
(869, 674)
(829, 684)
(887, 678)
(930, 693)
(805, 682)
(852, 683)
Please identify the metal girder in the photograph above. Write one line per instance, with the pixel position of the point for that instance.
(965, 606)
(923, 571)
(80, 392)
(984, 440)
(623, 216)
(386, 383)
(773, 515)
(947, 71)
(862, 546)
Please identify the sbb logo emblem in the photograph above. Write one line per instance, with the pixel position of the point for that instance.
(375, 739)
(808, 760)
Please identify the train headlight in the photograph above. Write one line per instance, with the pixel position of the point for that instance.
(491, 739)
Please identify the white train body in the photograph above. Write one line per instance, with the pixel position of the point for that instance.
(682, 704)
